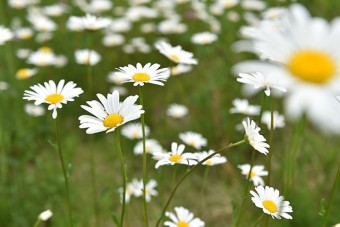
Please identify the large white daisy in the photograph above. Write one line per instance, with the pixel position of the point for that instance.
(109, 113)
(140, 75)
(52, 94)
(271, 202)
(183, 218)
(302, 55)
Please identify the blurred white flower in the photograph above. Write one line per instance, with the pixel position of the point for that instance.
(256, 174)
(183, 218)
(87, 57)
(180, 69)
(23, 33)
(278, 120)
(133, 188)
(3, 85)
(214, 160)
(122, 90)
(87, 22)
(177, 111)
(134, 131)
(23, 53)
(44, 216)
(111, 40)
(55, 10)
(193, 139)
(44, 56)
(204, 38)
(34, 110)
(5, 35)
(253, 5)
(242, 106)
(25, 73)
(151, 146)
(42, 23)
(175, 54)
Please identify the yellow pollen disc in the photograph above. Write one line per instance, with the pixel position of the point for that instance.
(54, 98)
(87, 60)
(45, 50)
(141, 77)
(252, 174)
(23, 73)
(270, 206)
(26, 36)
(135, 135)
(175, 158)
(182, 224)
(113, 120)
(208, 162)
(174, 57)
(312, 66)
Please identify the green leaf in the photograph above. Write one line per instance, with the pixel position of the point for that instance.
(115, 219)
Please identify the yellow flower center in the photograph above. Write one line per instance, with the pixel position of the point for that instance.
(182, 224)
(270, 206)
(135, 135)
(23, 73)
(26, 35)
(87, 60)
(175, 158)
(174, 57)
(45, 50)
(208, 162)
(54, 98)
(252, 174)
(141, 77)
(113, 120)
(312, 66)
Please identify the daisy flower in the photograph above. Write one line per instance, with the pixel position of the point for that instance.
(176, 156)
(271, 202)
(147, 74)
(177, 110)
(87, 57)
(278, 120)
(5, 35)
(254, 138)
(259, 81)
(193, 139)
(242, 106)
(151, 146)
(3, 85)
(25, 73)
(180, 69)
(214, 160)
(42, 57)
(109, 113)
(150, 190)
(133, 188)
(176, 54)
(52, 94)
(304, 63)
(183, 218)
(256, 173)
(88, 22)
(44, 216)
(34, 110)
(134, 131)
(204, 38)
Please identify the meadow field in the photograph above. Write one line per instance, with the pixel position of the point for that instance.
(181, 88)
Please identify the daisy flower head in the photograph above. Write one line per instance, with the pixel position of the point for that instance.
(151, 146)
(25, 73)
(139, 75)
(176, 156)
(254, 138)
(87, 57)
(45, 215)
(183, 218)
(5, 35)
(278, 120)
(180, 69)
(109, 113)
(271, 202)
(305, 64)
(150, 190)
(204, 38)
(177, 110)
(256, 173)
(193, 139)
(176, 54)
(134, 131)
(242, 106)
(133, 188)
(259, 81)
(44, 56)
(88, 22)
(52, 94)
(33, 110)
(214, 160)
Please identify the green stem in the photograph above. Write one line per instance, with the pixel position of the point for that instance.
(94, 187)
(189, 171)
(141, 97)
(120, 153)
(37, 222)
(258, 220)
(270, 140)
(89, 68)
(62, 162)
(205, 177)
(331, 197)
